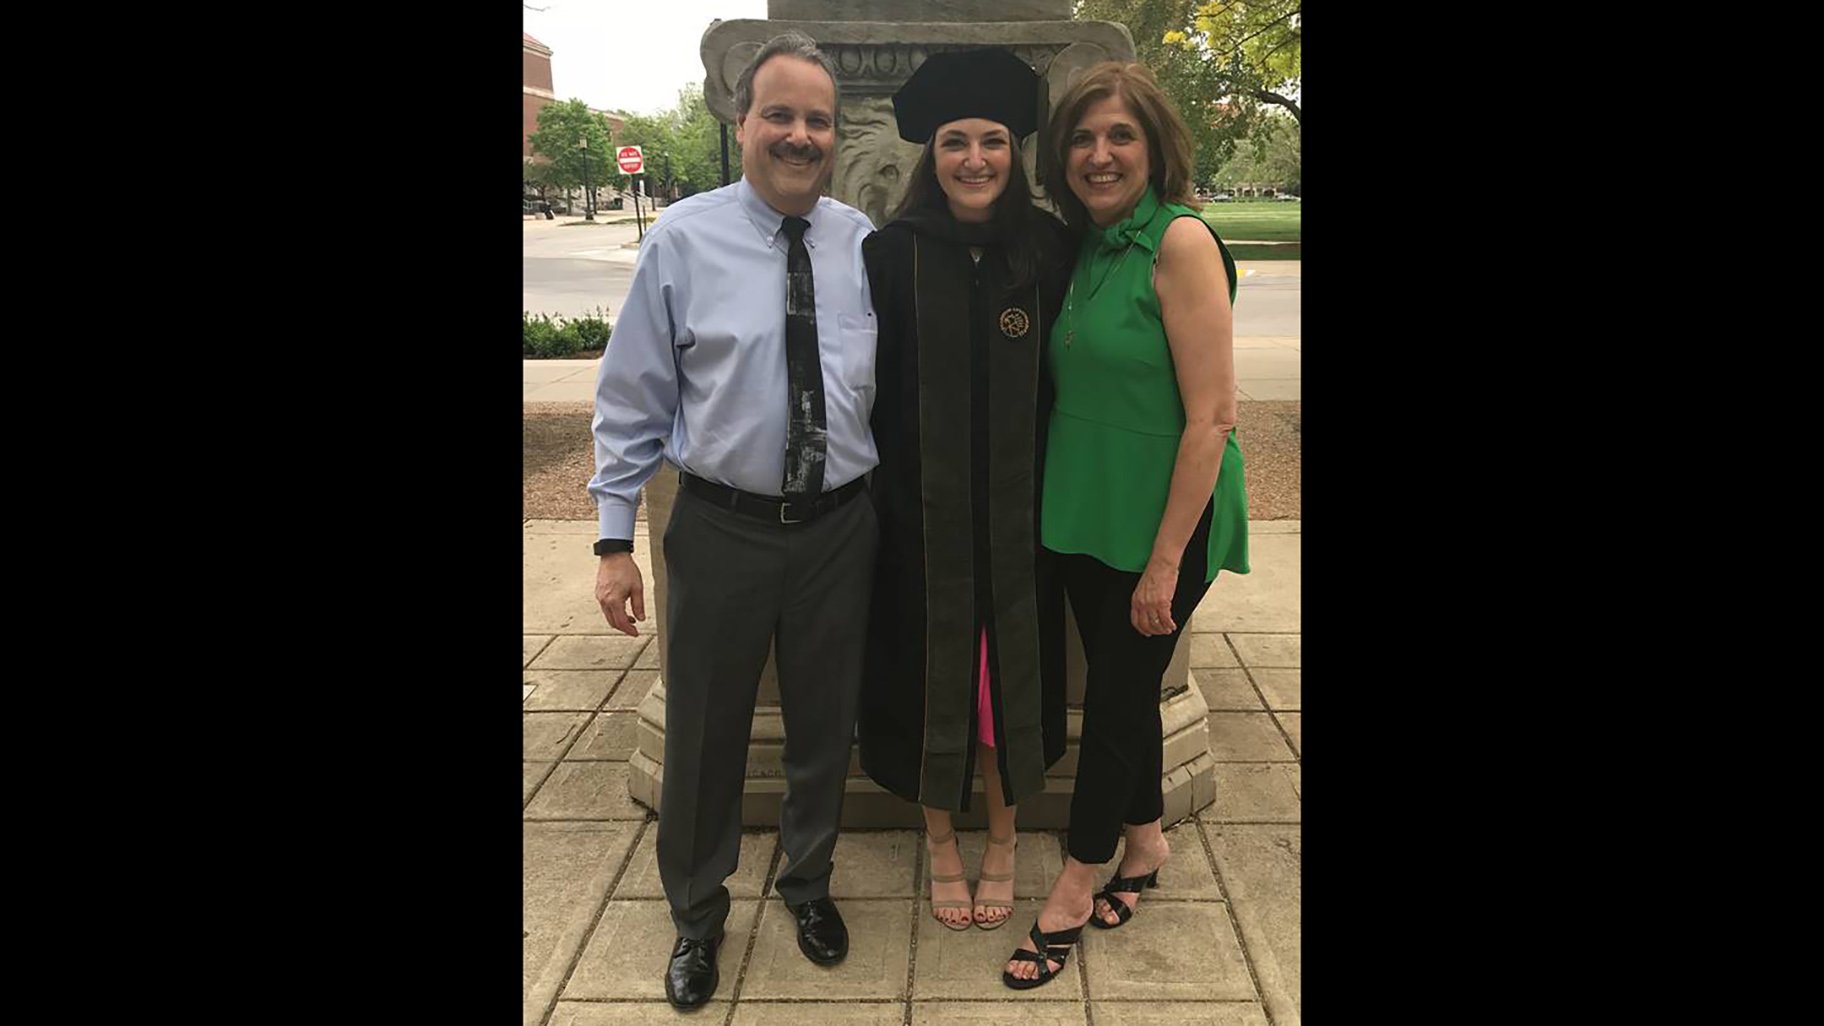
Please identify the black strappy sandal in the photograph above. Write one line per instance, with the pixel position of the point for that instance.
(1053, 947)
(1122, 885)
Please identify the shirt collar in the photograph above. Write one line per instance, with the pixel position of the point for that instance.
(767, 221)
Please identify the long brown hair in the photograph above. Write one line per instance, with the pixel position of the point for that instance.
(1169, 155)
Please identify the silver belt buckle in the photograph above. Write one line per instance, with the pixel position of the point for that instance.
(783, 503)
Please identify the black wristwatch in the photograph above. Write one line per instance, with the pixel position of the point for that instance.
(607, 545)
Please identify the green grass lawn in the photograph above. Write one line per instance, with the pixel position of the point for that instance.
(1255, 220)
(1279, 251)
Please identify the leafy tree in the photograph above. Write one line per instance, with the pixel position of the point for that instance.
(1268, 157)
(682, 142)
(562, 127)
(1221, 63)
(1252, 47)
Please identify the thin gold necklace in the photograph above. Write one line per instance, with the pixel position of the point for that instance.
(1070, 298)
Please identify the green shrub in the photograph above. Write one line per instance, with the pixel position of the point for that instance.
(541, 336)
(546, 337)
(592, 331)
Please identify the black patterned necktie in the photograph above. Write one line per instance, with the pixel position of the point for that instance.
(805, 442)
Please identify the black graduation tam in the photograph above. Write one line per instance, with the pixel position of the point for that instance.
(989, 83)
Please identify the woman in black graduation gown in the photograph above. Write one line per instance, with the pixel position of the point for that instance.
(965, 662)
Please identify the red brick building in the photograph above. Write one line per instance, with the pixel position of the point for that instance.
(537, 88)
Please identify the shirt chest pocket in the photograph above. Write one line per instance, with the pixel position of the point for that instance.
(856, 340)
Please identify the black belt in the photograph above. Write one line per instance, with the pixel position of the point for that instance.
(771, 508)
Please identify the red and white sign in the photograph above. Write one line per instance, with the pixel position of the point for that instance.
(631, 159)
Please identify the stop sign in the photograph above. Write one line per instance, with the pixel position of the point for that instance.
(630, 159)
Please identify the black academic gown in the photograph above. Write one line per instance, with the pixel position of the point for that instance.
(960, 412)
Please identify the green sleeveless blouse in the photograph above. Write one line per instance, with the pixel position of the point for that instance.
(1118, 417)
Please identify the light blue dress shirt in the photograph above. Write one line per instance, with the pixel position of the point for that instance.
(695, 369)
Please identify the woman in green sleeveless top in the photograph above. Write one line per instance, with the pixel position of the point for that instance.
(1142, 501)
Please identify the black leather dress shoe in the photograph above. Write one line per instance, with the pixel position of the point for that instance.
(691, 977)
(821, 935)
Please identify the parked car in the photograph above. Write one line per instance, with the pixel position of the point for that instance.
(1286, 197)
(1222, 197)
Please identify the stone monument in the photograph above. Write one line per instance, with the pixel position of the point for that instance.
(876, 45)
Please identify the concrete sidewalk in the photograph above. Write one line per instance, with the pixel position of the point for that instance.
(1217, 943)
(1267, 367)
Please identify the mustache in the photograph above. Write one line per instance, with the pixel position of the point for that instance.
(809, 152)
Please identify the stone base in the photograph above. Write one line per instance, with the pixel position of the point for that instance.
(1189, 782)
(867, 807)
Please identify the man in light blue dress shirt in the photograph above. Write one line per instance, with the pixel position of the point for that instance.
(697, 373)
